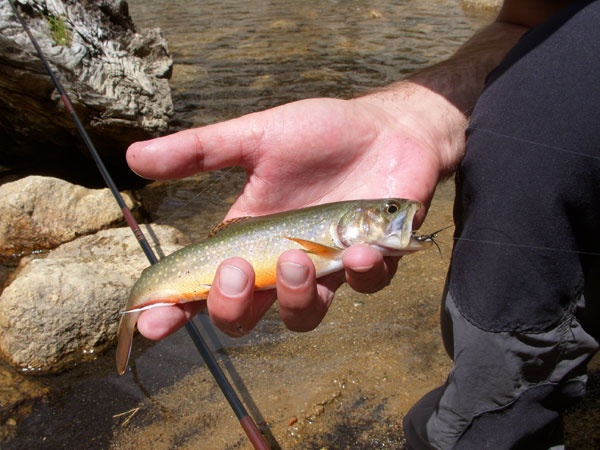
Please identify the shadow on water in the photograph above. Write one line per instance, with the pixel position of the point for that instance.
(82, 404)
(78, 169)
(216, 342)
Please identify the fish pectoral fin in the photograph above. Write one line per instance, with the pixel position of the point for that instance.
(324, 251)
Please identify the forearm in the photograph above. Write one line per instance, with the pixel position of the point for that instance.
(442, 96)
(460, 79)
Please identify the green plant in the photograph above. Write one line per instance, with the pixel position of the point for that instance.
(60, 33)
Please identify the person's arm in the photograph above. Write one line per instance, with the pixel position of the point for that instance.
(395, 142)
(445, 93)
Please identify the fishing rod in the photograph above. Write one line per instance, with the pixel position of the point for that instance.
(247, 423)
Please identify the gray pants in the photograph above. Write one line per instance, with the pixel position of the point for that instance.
(521, 311)
(507, 390)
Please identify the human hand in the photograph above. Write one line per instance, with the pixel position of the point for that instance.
(296, 155)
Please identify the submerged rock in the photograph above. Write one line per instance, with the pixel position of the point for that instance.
(18, 394)
(64, 308)
(115, 76)
(38, 213)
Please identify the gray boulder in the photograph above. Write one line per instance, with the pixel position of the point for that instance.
(64, 308)
(115, 76)
(38, 213)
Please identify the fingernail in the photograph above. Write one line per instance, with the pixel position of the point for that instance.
(362, 268)
(293, 274)
(232, 280)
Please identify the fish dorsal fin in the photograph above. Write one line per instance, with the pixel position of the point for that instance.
(318, 249)
(226, 223)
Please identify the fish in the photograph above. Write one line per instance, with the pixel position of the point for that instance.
(323, 232)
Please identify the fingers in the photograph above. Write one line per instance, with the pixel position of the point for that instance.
(233, 305)
(235, 308)
(367, 270)
(158, 323)
(187, 152)
(302, 305)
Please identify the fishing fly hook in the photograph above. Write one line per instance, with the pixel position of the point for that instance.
(431, 237)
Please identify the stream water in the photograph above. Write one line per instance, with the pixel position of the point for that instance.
(348, 383)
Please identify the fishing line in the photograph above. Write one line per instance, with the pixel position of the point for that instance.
(528, 141)
(535, 247)
(221, 175)
(512, 244)
(247, 423)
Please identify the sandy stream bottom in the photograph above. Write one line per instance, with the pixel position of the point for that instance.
(345, 385)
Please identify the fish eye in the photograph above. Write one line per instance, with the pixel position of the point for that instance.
(392, 208)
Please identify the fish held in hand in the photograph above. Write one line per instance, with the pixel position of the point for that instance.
(322, 231)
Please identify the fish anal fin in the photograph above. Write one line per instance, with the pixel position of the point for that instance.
(324, 251)
(200, 293)
(130, 316)
(221, 226)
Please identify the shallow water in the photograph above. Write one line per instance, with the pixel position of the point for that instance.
(347, 383)
(237, 56)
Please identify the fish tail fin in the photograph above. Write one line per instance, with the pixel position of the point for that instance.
(126, 329)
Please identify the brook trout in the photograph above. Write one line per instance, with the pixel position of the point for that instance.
(322, 231)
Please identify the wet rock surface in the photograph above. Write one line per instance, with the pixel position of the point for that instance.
(116, 77)
(40, 213)
(63, 308)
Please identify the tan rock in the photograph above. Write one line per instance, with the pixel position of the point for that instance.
(41, 213)
(64, 308)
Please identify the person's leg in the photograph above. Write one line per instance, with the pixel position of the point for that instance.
(527, 211)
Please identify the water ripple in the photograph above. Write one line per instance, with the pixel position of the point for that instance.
(236, 57)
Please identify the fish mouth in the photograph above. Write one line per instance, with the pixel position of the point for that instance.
(398, 245)
(400, 238)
